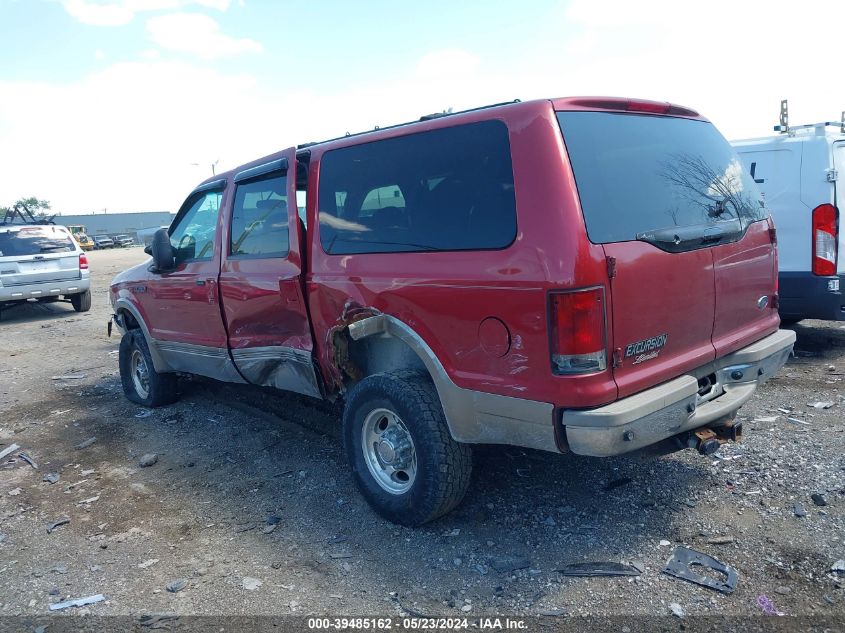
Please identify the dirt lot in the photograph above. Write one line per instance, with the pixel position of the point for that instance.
(251, 504)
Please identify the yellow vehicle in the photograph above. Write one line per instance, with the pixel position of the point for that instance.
(81, 237)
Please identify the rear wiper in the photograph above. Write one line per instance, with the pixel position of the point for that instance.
(677, 239)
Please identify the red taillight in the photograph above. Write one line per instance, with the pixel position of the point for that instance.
(83, 261)
(578, 341)
(825, 239)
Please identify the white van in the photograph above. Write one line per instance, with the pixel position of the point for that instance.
(798, 172)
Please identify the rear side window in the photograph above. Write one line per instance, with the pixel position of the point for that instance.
(639, 173)
(35, 240)
(260, 218)
(444, 190)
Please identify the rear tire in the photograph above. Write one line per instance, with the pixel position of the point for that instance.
(142, 384)
(403, 458)
(82, 301)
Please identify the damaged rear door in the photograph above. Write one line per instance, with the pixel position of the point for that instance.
(261, 279)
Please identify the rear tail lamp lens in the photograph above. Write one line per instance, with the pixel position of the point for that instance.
(83, 261)
(825, 239)
(578, 331)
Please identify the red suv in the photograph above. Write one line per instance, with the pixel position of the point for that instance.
(585, 275)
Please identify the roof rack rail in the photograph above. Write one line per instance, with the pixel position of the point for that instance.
(425, 117)
(21, 211)
(785, 128)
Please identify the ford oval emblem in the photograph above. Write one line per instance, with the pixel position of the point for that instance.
(763, 301)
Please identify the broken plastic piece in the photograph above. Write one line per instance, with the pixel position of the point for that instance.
(680, 566)
(77, 602)
(53, 526)
(28, 460)
(599, 569)
(9, 449)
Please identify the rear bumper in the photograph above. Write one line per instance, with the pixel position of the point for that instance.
(45, 289)
(676, 407)
(803, 295)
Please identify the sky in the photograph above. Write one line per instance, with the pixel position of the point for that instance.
(125, 105)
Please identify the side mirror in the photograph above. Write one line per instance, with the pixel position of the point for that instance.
(162, 252)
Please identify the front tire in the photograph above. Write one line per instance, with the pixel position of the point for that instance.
(142, 384)
(403, 458)
(81, 302)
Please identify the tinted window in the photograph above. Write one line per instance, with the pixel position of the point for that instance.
(35, 240)
(260, 218)
(448, 189)
(193, 235)
(640, 173)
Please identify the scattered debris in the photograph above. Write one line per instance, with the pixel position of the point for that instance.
(677, 610)
(664, 543)
(638, 565)
(767, 419)
(251, 584)
(273, 519)
(86, 443)
(765, 603)
(156, 621)
(69, 377)
(838, 566)
(820, 405)
(177, 585)
(338, 555)
(797, 421)
(148, 460)
(148, 563)
(8, 450)
(77, 602)
(268, 529)
(819, 499)
(28, 460)
(720, 540)
(505, 564)
(14, 492)
(88, 500)
(245, 527)
(599, 569)
(144, 413)
(55, 524)
(799, 510)
(616, 483)
(680, 566)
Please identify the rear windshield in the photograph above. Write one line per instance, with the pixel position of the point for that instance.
(638, 173)
(34, 240)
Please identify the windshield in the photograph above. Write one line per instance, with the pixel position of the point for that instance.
(638, 174)
(35, 240)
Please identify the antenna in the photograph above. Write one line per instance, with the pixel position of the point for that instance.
(842, 123)
(783, 128)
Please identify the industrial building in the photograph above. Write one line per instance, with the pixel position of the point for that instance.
(136, 225)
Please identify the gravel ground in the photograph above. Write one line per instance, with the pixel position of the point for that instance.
(250, 506)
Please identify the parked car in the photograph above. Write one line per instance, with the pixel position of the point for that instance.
(103, 241)
(42, 262)
(580, 275)
(123, 240)
(798, 172)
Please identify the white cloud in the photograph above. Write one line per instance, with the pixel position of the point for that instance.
(198, 35)
(124, 137)
(120, 12)
(448, 62)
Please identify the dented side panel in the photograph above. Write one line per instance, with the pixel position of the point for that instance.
(482, 313)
